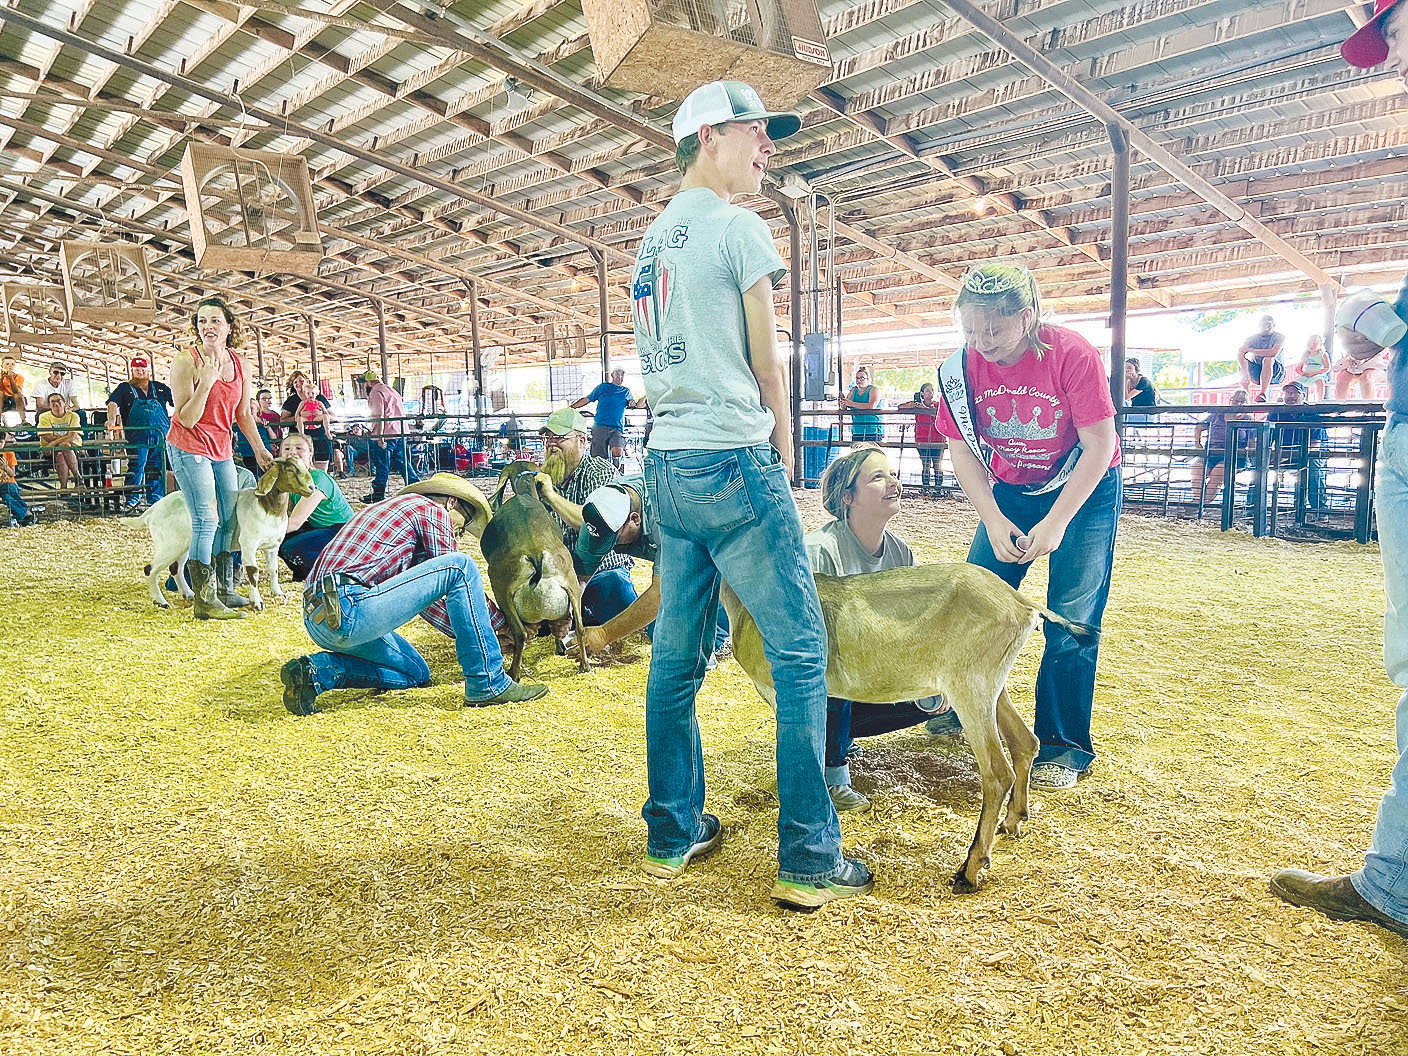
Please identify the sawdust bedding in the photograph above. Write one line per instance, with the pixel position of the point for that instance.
(190, 869)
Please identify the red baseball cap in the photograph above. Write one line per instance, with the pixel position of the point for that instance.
(140, 361)
(1366, 46)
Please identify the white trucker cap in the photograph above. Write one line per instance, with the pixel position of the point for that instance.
(720, 101)
(1370, 315)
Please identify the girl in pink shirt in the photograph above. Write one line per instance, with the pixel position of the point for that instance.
(1028, 411)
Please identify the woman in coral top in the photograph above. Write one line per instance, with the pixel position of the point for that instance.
(211, 387)
(1027, 408)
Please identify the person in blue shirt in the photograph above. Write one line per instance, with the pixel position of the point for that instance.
(608, 428)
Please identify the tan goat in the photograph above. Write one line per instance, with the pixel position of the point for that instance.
(908, 633)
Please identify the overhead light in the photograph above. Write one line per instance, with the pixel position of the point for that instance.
(980, 204)
(793, 186)
(516, 96)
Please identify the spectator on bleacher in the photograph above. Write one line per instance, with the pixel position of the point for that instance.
(863, 397)
(1138, 390)
(927, 438)
(60, 433)
(301, 414)
(576, 474)
(267, 415)
(1362, 365)
(1260, 359)
(1211, 436)
(1313, 370)
(608, 427)
(861, 491)
(10, 489)
(1299, 449)
(12, 409)
(318, 516)
(243, 451)
(59, 380)
(139, 412)
(388, 435)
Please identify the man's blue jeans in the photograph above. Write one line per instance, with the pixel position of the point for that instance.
(1384, 879)
(209, 487)
(730, 513)
(367, 653)
(1078, 586)
(846, 720)
(607, 594)
(382, 458)
(142, 458)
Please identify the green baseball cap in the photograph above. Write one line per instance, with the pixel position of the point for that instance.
(565, 420)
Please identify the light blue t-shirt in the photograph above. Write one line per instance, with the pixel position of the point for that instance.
(1397, 402)
(694, 263)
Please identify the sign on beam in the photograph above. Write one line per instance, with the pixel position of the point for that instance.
(670, 47)
(35, 315)
(251, 210)
(107, 282)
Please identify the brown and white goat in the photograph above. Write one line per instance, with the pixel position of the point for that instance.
(262, 513)
(909, 633)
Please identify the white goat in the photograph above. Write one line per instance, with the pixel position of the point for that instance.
(262, 516)
(908, 633)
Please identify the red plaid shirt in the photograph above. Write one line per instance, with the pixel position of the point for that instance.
(387, 538)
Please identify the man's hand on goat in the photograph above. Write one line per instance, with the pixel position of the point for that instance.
(544, 484)
(1044, 538)
(1002, 534)
(263, 459)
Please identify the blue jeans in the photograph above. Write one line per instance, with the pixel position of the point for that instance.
(300, 550)
(1077, 587)
(847, 720)
(730, 513)
(10, 495)
(209, 487)
(1384, 879)
(367, 653)
(381, 459)
(607, 594)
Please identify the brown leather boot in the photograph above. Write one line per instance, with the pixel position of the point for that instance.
(207, 605)
(1334, 896)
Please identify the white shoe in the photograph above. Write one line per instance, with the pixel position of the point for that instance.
(844, 797)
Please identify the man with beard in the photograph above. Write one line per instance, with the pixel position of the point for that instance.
(139, 411)
(575, 475)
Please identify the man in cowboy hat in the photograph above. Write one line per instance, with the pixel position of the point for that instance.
(392, 562)
(1377, 892)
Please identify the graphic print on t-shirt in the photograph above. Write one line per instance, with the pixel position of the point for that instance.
(1023, 424)
(655, 288)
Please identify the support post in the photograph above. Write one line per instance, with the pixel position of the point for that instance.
(381, 339)
(477, 351)
(1119, 265)
(258, 351)
(603, 318)
(794, 274)
(313, 349)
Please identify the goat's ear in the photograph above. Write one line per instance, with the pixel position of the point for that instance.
(268, 481)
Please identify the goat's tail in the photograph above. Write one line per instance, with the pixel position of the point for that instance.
(1080, 630)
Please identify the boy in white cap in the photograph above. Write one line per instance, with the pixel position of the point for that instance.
(716, 477)
(1378, 891)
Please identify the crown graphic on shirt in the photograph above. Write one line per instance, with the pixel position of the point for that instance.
(1016, 429)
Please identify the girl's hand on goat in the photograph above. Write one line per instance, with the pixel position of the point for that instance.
(1044, 537)
(1002, 535)
(263, 459)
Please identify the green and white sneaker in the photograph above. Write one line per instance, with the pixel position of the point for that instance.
(711, 834)
(852, 881)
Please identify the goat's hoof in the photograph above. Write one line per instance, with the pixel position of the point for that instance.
(162, 604)
(962, 885)
(1012, 827)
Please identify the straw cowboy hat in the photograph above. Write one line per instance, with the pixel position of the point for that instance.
(455, 487)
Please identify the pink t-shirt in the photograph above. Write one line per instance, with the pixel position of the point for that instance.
(1029, 412)
(385, 402)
